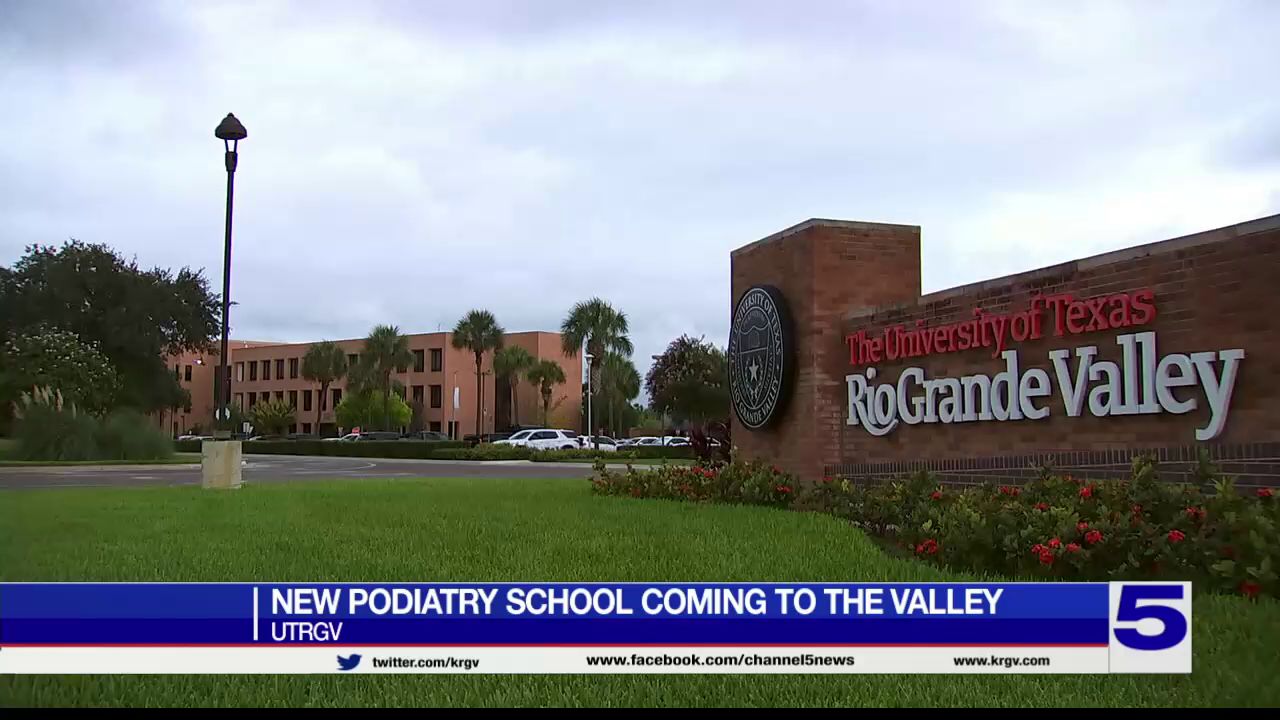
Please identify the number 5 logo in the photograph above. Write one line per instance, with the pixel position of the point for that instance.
(1150, 627)
(1175, 623)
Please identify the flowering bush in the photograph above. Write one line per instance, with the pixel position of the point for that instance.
(1060, 527)
(745, 482)
(1054, 527)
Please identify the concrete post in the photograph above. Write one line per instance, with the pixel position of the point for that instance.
(220, 464)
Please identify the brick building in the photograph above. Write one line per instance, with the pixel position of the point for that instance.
(1206, 301)
(263, 370)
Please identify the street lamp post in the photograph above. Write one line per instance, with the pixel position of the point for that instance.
(230, 132)
(590, 434)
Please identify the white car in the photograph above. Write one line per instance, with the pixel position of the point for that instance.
(543, 439)
(646, 442)
(599, 442)
(675, 441)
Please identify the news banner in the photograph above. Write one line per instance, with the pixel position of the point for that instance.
(601, 628)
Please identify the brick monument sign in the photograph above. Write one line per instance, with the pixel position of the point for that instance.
(840, 367)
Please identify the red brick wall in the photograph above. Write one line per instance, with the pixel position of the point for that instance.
(1213, 291)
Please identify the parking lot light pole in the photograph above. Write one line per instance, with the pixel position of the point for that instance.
(230, 132)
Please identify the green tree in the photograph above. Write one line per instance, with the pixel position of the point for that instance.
(325, 363)
(137, 317)
(385, 351)
(271, 417)
(368, 407)
(620, 384)
(545, 375)
(58, 359)
(690, 382)
(509, 364)
(478, 332)
(602, 329)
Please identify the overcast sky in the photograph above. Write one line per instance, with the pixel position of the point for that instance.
(408, 161)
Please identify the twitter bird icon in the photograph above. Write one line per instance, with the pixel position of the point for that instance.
(348, 663)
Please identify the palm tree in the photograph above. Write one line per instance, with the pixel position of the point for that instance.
(324, 363)
(601, 328)
(546, 374)
(385, 350)
(621, 385)
(508, 364)
(478, 332)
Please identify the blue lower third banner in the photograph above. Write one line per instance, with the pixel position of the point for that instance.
(595, 628)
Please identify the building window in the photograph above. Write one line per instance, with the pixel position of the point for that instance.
(293, 368)
(337, 396)
(186, 373)
(176, 375)
(253, 370)
(306, 400)
(280, 369)
(453, 430)
(293, 399)
(239, 372)
(238, 400)
(306, 428)
(279, 396)
(437, 360)
(266, 369)
(419, 361)
(434, 427)
(187, 409)
(293, 428)
(437, 396)
(352, 359)
(252, 399)
(417, 394)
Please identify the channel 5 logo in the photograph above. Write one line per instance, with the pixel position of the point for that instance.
(1150, 627)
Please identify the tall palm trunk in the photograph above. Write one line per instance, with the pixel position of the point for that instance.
(515, 409)
(324, 390)
(479, 396)
(546, 405)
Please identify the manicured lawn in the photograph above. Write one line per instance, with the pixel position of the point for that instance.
(493, 530)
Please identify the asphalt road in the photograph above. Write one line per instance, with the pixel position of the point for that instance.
(275, 468)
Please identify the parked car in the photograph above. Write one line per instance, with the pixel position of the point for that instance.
(268, 437)
(428, 435)
(543, 439)
(675, 441)
(377, 435)
(349, 437)
(599, 442)
(195, 437)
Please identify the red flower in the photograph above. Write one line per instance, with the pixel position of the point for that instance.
(1082, 526)
(937, 495)
(1264, 492)
(1086, 491)
(928, 547)
(1041, 506)
(1093, 537)
(1055, 543)
(776, 470)
(1073, 548)
(1250, 589)
(1176, 536)
(1136, 509)
(1010, 491)
(827, 479)
(1195, 513)
(1037, 549)
(1046, 557)
(784, 489)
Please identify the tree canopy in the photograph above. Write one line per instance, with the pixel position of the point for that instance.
(690, 382)
(135, 316)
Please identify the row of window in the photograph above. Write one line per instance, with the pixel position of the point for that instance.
(419, 365)
(437, 397)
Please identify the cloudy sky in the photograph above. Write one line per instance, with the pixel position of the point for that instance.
(410, 160)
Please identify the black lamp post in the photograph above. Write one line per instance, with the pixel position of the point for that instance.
(230, 132)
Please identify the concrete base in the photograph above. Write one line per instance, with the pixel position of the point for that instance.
(220, 464)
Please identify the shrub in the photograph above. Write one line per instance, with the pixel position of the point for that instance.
(739, 482)
(1059, 527)
(128, 435)
(485, 452)
(50, 429)
(647, 453)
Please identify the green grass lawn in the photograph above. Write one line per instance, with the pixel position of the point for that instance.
(496, 530)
